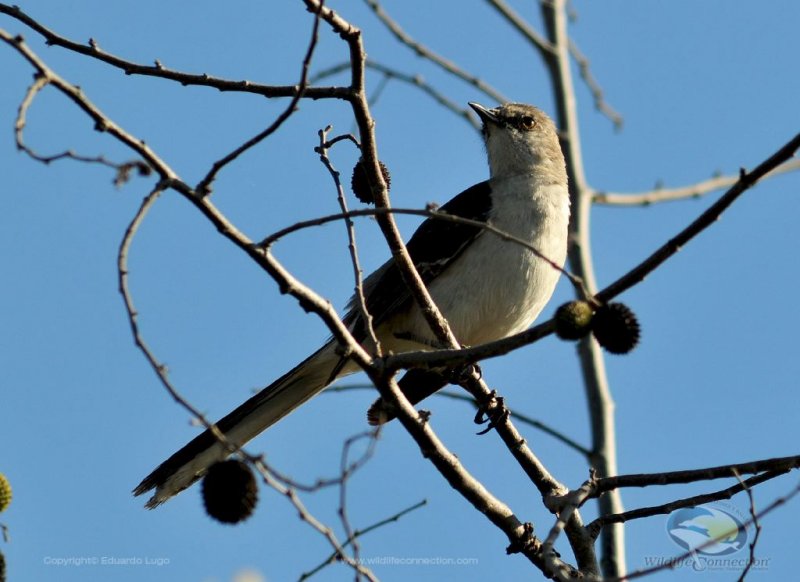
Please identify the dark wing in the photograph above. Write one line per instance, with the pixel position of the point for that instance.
(433, 247)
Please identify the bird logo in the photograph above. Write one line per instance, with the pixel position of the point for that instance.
(711, 531)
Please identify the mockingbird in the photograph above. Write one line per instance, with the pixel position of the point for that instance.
(487, 287)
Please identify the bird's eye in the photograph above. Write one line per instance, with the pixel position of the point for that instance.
(527, 122)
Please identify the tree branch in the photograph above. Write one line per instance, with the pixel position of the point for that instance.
(600, 102)
(539, 42)
(414, 80)
(595, 527)
(691, 191)
(426, 53)
(746, 181)
(204, 186)
(690, 476)
(159, 71)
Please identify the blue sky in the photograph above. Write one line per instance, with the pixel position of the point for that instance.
(704, 88)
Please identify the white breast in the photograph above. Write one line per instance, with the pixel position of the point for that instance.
(497, 288)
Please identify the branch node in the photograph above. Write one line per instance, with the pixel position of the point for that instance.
(526, 542)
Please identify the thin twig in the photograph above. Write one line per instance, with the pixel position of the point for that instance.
(668, 564)
(361, 300)
(428, 54)
(204, 186)
(693, 475)
(417, 81)
(524, 419)
(598, 392)
(746, 181)
(600, 102)
(751, 558)
(158, 70)
(346, 470)
(691, 191)
(161, 371)
(360, 533)
(538, 41)
(429, 212)
(595, 527)
(569, 504)
(518, 416)
(307, 517)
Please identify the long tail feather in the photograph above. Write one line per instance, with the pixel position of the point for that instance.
(248, 420)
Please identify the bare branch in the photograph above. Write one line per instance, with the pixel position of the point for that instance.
(600, 102)
(428, 54)
(525, 419)
(204, 187)
(360, 533)
(669, 563)
(538, 41)
(158, 70)
(692, 191)
(417, 81)
(322, 150)
(598, 524)
(569, 504)
(751, 558)
(690, 476)
(346, 469)
(746, 181)
(598, 392)
(306, 516)
(102, 123)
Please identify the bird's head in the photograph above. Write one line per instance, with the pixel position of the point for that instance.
(521, 139)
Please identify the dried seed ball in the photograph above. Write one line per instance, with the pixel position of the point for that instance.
(574, 320)
(229, 491)
(5, 492)
(360, 184)
(616, 328)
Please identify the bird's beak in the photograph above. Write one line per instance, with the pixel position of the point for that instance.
(486, 115)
